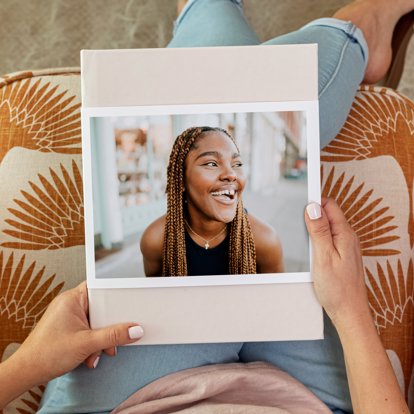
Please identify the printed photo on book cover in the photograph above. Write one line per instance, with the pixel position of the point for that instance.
(199, 194)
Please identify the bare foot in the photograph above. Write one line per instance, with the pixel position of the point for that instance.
(377, 20)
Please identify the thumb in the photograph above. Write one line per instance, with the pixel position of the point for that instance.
(115, 335)
(318, 227)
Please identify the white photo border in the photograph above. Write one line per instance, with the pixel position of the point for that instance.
(311, 111)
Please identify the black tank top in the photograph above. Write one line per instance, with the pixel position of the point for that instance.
(202, 262)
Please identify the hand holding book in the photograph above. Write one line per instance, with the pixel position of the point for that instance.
(60, 342)
(340, 287)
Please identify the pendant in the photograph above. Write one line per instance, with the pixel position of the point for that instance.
(206, 246)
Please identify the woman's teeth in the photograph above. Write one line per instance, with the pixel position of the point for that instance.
(228, 193)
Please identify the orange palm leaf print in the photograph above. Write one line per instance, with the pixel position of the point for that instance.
(51, 215)
(365, 213)
(380, 123)
(40, 117)
(391, 298)
(25, 294)
(31, 401)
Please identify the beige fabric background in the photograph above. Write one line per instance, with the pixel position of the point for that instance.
(40, 34)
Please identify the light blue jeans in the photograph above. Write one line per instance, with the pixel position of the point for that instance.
(342, 49)
(317, 364)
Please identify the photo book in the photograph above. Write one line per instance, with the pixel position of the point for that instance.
(198, 164)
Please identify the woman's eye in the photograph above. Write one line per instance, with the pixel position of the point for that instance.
(238, 164)
(211, 164)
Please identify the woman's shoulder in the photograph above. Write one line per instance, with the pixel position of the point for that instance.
(262, 232)
(268, 247)
(152, 240)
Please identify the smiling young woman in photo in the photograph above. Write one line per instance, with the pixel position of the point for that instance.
(206, 230)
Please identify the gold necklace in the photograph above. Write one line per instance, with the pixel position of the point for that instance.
(206, 242)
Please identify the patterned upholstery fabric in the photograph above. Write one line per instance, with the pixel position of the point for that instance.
(368, 169)
(41, 206)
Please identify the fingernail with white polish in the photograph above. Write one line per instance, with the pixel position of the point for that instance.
(135, 332)
(313, 210)
(96, 362)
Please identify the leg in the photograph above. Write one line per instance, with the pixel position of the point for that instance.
(377, 19)
(342, 51)
(212, 23)
(101, 389)
(317, 364)
(342, 56)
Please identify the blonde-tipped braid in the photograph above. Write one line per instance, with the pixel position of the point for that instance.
(242, 252)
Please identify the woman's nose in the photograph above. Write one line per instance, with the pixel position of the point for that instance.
(228, 174)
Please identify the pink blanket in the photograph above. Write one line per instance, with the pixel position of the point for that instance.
(254, 388)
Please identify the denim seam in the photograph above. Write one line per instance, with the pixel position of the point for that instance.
(338, 65)
(347, 27)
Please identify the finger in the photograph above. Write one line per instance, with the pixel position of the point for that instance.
(112, 336)
(343, 235)
(93, 360)
(82, 287)
(318, 227)
(112, 351)
(83, 295)
(336, 217)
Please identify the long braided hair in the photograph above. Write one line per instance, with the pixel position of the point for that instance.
(242, 252)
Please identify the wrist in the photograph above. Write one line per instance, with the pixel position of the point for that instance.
(15, 379)
(353, 320)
